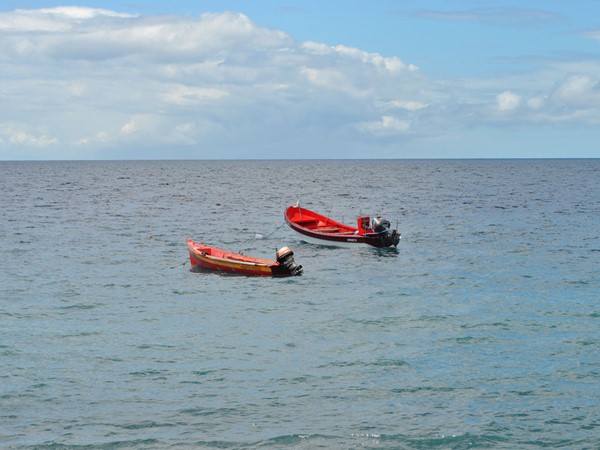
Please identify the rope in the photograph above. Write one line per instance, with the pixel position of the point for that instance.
(179, 265)
(268, 235)
(277, 229)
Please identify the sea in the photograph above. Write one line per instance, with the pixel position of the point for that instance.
(481, 330)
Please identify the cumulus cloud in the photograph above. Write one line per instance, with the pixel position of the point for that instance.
(74, 12)
(392, 64)
(536, 102)
(195, 78)
(508, 101)
(15, 135)
(129, 128)
(579, 89)
(385, 126)
(94, 78)
(576, 100)
(101, 137)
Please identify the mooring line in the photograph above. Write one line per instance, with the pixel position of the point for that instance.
(263, 237)
(179, 265)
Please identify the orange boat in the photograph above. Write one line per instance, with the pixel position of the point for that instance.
(212, 258)
(318, 229)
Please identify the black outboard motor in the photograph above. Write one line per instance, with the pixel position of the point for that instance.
(380, 224)
(285, 258)
(383, 227)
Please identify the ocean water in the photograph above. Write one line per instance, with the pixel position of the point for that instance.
(482, 330)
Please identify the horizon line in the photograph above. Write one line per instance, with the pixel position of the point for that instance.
(528, 158)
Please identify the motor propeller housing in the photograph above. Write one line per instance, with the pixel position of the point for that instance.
(285, 258)
(383, 227)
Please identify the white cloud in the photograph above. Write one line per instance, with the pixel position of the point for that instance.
(385, 126)
(58, 19)
(536, 102)
(129, 128)
(189, 95)
(333, 79)
(408, 105)
(78, 89)
(74, 12)
(578, 89)
(508, 101)
(102, 137)
(189, 133)
(74, 33)
(95, 78)
(185, 133)
(390, 64)
(17, 135)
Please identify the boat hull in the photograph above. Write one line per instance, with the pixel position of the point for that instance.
(317, 229)
(327, 241)
(205, 257)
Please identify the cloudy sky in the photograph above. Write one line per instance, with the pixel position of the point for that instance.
(140, 79)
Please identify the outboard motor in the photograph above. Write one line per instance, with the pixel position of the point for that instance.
(285, 258)
(388, 236)
(380, 224)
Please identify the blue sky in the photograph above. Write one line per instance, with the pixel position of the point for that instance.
(299, 79)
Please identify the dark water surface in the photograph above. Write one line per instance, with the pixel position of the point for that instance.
(481, 331)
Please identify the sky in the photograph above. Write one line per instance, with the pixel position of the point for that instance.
(299, 79)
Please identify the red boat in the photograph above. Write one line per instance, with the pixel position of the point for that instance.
(318, 229)
(212, 258)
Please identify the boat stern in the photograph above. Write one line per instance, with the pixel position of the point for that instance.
(388, 236)
(286, 266)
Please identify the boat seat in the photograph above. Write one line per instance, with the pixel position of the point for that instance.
(307, 222)
(329, 229)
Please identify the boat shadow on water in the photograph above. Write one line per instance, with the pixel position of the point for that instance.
(384, 252)
(222, 273)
